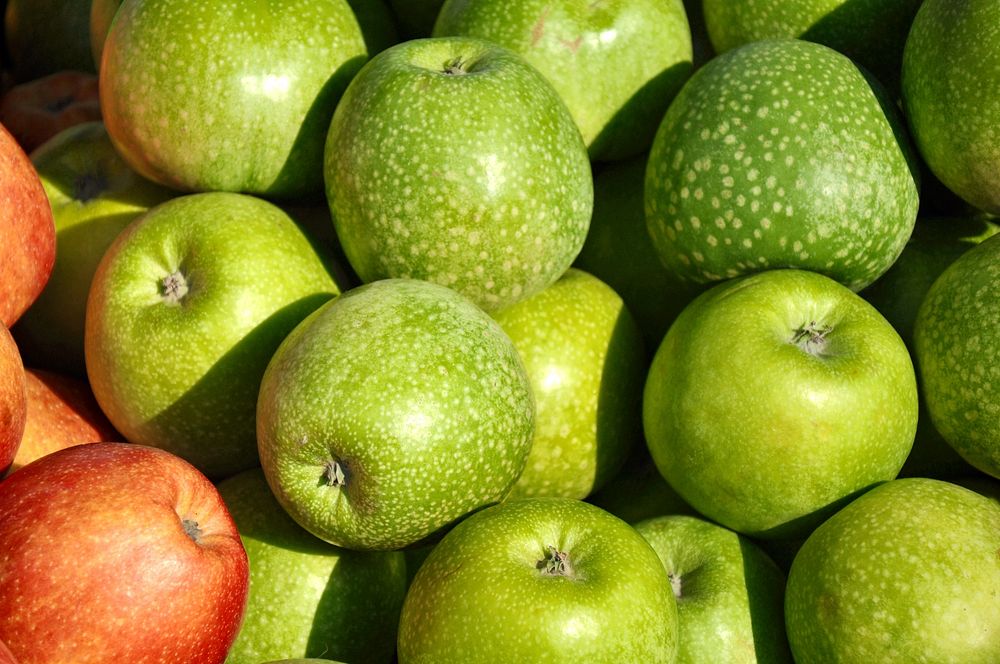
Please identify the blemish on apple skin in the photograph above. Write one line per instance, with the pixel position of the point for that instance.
(538, 30)
(574, 45)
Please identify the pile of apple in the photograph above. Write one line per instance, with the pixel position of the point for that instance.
(500, 331)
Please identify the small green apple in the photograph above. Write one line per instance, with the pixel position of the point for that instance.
(307, 597)
(184, 312)
(454, 161)
(586, 362)
(540, 580)
(908, 572)
(730, 595)
(390, 413)
(781, 154)
(776, 397)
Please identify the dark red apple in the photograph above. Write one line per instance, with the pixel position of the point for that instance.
(114, 552)
(13, 400)
(6, 656)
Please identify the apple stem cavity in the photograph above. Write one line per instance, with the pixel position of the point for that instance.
(555, 563)
(333, 473)
(173, 288)
(192, 529)
(811, 338)
(89, 186)
(675, 584)
(456, 67)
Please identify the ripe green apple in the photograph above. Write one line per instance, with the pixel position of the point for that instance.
(493, 203)
(586, 363)
(957, 342)
(616, 64)
(246, 99)
(776, 397)
(951, 69)
(780, 154)
(93, 194)
(46, 36)
(540, 580)
(908, 572)
(730, 595)
(391, 412)
(308, 598)
(184, 312)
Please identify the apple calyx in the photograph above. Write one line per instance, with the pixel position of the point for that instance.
(173, 288)
(675, 584)
(811, 337)
(191, 529)
(89, 186)
(555, 563)
(333, 473)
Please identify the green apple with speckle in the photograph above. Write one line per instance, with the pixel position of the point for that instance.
(730, 595)
(957, 343)
(184, 312)
(308, 598)
(454, 161)
(908, 572)
(616, 64)
(781, 154)
(586, 362)
(392, 412)
(540, 580)
(775, 398)
(212, 96)
(951, 70)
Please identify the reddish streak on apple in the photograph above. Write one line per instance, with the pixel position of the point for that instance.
(13, 401)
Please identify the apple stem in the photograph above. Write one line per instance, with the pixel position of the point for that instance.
(173, 288)
(675, 584)
(555, 563)
(455, 67)
(812, 337)
(333, 472)
(191, 528)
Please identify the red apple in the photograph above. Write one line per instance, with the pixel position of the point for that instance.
(27, 231)
(62, 412)
(114, 552)
(6, 656)
(13, 401)
(35, 111)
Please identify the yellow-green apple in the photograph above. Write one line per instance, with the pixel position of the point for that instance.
(776, 397)
(61, 412)
(957, 343)
(781, 154)
(730, 595)
(616, 64)
(93, 194)
(308, 598)
(586, 363)
(118, 553)
(46, 36)
(494, 204)
(540, 580)
(246, 100)
(908, 572)
(184, 312)
(392, 412)
(13, 400)
(27, 232)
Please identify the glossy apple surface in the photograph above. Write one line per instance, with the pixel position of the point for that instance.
(13, 399)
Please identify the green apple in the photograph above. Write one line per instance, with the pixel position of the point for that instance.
(94, 194)
(616, 64)
(46, 36)
(908, 572)
(540, 580)
(308, 598)
(730, 595)
(957, 344)
(870, 33)
(391, 412)
(246, 99)
(951, 68)
(619, 251)
(184, 312)
(780, 154)
(776, 397)
(586, 362)
(378, 26)
(454, 161)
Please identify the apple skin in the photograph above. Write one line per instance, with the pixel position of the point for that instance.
(390, 413)
(61, 412)
(307, 597)
(180, 369)
(35, 111)
(809, 168)
(46, 36)
(27, 232)
(951, 66)
(908, 572)
(13, 400)
(93, 195)
(102, 13)
(6, 656)
(616, 64)
(957, 346)
(494, 205)
(239, 110)
(730, 595)
(586, 363)
(776, 397)
(484, 594)
(118, 552)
